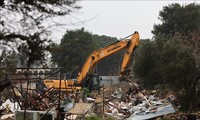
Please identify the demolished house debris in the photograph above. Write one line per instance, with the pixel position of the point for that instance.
(116, 102)
(135, 105)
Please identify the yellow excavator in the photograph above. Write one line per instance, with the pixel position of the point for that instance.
(86, 78)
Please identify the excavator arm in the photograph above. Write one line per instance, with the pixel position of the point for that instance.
(95, 57)
(128, 56)
(98, 55)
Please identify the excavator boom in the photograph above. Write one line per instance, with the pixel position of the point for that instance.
(95, 57)
(98, 55)
(127, 60)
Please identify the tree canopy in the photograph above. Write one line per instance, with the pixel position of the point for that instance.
(75, 47)
(183, 20)
(111, 64)
(172, 19)
(171, 59)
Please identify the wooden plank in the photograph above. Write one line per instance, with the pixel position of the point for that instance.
(81, 108)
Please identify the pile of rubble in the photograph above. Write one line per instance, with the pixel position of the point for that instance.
(13, 100)
(125, 103)
(121, 103)
(137, 104)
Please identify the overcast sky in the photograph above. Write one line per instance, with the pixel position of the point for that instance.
(116, 18)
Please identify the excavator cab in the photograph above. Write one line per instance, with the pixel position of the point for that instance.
(92, 82)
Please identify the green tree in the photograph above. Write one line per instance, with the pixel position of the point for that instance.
(180, 71)
(111, 64)
(7, 60)
(146, 62)
(73, 50)
(172, 56)
(103, 40)
(172, 19)
(165, 65)
(75, 47)
(183, 20)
